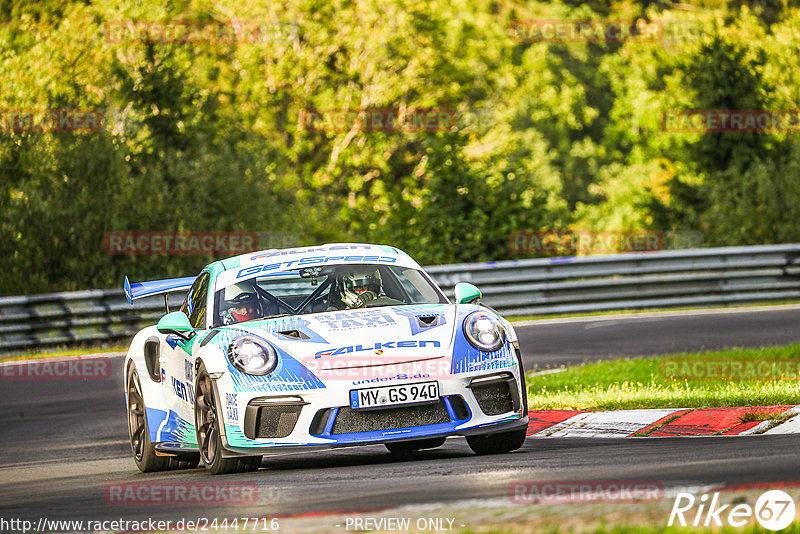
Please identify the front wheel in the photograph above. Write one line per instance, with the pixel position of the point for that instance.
(207, 425)
(144, 453)
(497, 443)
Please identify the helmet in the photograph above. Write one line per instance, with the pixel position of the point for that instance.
(358, 282)
(240, 302)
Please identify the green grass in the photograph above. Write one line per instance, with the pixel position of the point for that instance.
(641, 383)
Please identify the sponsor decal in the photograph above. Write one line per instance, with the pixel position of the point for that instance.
(356, 319)
(331, 248)
(501, 360)
(378, 346)
(378, 369)
(277, 386)
(189, 370)
(183, 391)
(172, 340)
(401, 376)
(312, 260)
(231, 407)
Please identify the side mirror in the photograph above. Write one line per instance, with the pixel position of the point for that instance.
(467, 294)
(176, 323)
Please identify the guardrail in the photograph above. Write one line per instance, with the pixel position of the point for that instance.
(697, 277)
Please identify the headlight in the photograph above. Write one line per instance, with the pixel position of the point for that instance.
(252, 355)
(484, 331)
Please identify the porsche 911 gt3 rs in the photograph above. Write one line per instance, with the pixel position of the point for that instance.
(316, 348)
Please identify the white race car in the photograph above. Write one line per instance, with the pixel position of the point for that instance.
(316, 348)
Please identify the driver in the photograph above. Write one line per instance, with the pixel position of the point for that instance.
(360, 285)
(239, 303)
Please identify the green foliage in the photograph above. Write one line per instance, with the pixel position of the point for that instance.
(208, 135)
(638, 383)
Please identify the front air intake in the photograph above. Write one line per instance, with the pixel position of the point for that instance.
(496, 395)
(427, 321)
(271, 419)
(348, 420)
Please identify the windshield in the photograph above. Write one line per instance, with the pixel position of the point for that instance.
(320, 289)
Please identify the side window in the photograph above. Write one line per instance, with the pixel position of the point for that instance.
(195, 304)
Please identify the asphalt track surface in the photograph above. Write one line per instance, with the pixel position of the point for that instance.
(63, 444)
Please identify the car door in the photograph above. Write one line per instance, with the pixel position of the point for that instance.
(178, 363)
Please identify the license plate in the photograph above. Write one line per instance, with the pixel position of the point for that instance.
(393, 395)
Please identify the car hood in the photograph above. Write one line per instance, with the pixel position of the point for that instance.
(363, 337)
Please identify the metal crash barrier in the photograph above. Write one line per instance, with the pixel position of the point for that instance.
(576, 284)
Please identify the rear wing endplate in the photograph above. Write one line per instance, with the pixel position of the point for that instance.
(156, 287)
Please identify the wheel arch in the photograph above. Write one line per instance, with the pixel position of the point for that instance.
(156, 406)
(212, 357)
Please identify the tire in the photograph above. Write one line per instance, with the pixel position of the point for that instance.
(523, 384)
(406, 447)
(144, 454)
(209, 441)
(497, 443)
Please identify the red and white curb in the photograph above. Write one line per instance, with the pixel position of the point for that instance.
(665, 422)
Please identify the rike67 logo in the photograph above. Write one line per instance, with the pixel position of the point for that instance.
(774, 510)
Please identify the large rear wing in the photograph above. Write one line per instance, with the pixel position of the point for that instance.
(156, 287)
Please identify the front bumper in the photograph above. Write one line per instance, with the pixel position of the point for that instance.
(263, 424)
